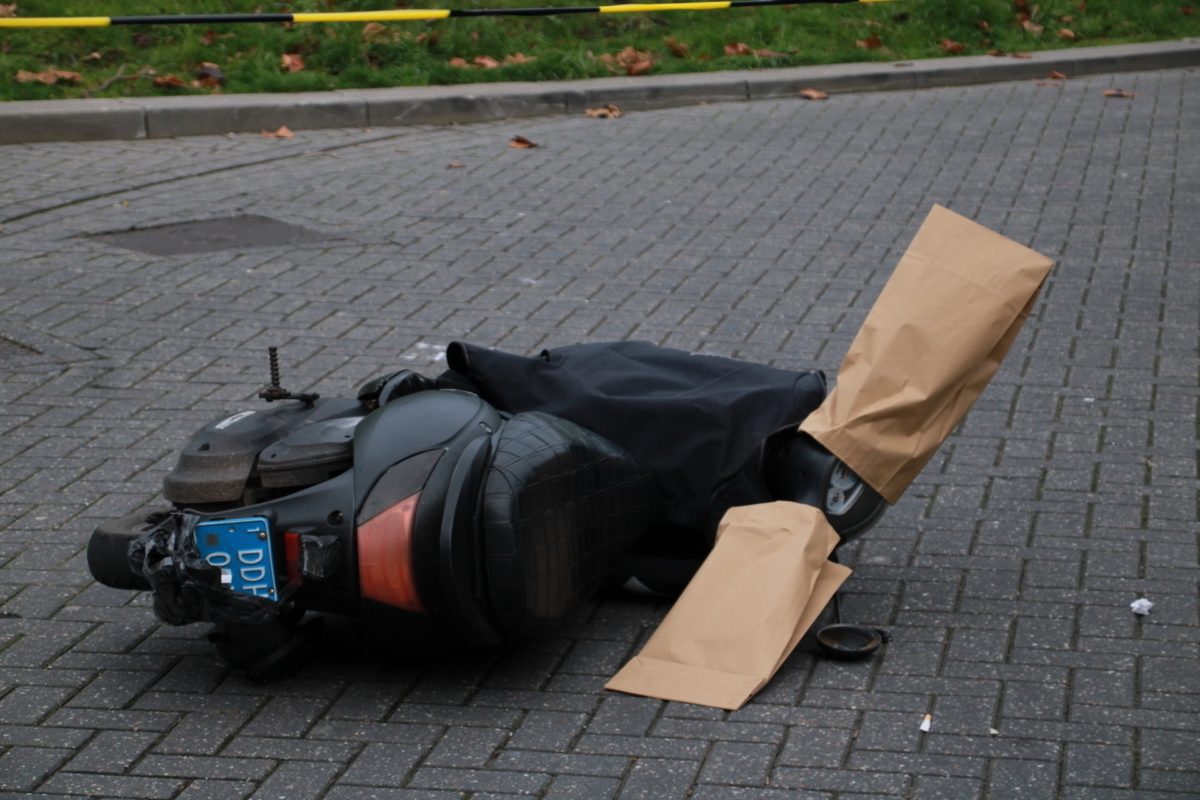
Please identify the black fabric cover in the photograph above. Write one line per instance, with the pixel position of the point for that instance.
(697, 422)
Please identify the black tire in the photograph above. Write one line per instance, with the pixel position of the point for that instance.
(108, 550)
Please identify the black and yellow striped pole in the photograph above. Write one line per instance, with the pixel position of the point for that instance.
(401, 15)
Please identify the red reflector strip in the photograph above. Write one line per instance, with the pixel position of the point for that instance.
(385, 560)
(291, 556)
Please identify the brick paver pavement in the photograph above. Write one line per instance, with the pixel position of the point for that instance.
(758, 230)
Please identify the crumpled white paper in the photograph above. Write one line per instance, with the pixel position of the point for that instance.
(1141, 606)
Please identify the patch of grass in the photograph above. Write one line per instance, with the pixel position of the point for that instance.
(125, 61)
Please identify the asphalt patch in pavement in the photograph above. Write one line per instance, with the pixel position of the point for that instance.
(212, 235)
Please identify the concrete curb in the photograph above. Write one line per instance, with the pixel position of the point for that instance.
(164, 117)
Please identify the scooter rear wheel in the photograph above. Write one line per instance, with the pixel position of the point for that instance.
(108, 549)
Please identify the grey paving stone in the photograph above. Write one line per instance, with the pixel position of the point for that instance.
(23, 768)
(296, 779)
(738, 763)
(659, 778)
(383, 765)
(111, 752)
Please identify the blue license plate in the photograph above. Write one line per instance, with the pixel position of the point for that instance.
(241, 548)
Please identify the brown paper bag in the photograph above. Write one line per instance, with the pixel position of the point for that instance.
(754, 597)
(929, 346)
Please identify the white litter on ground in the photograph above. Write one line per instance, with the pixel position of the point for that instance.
(1141, 606)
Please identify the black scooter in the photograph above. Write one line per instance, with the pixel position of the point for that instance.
(423, 508)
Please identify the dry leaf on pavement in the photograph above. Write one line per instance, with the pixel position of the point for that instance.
(813, 94)
(1119, 93)
(283, 132)
(455, 165)
(1056, 76)
(521, 143)
(607, 111)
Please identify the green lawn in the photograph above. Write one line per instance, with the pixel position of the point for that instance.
(149, 60)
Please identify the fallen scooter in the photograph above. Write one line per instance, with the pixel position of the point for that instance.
(486, 504)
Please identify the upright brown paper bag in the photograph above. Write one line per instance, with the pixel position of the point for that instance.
(938, 332)
(759, 590)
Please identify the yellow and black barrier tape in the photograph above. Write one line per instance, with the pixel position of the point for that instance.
(400, 15)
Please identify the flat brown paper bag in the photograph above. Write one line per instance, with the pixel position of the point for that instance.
(759, 590)
(929, 346)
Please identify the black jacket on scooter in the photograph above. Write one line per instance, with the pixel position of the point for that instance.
(697, 422)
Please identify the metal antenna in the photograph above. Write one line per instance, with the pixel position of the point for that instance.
(275, 391)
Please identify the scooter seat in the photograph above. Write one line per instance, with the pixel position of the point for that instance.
(562, 507)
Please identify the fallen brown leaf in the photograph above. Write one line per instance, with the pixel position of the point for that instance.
(952, 47)
(459, 62)
(169, 82)
(1067, 34)
(519, 58)
(677, 48)
(291, 62)
(606, 111)
(1187, 11)
(630, 60)
(996, 53)
(282, 132)
(375, 32)
(872, 42)
(455, 165)
(49, 77)
(8, 9)
(813, 94)
(93, 56)
(1032, 27)
(521, 143)
(983, 25)
(487, 62)
(743, 49)
(1119, 93)
(431, 38)
(209, 75)
(1025, 56)
(1056, 76)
